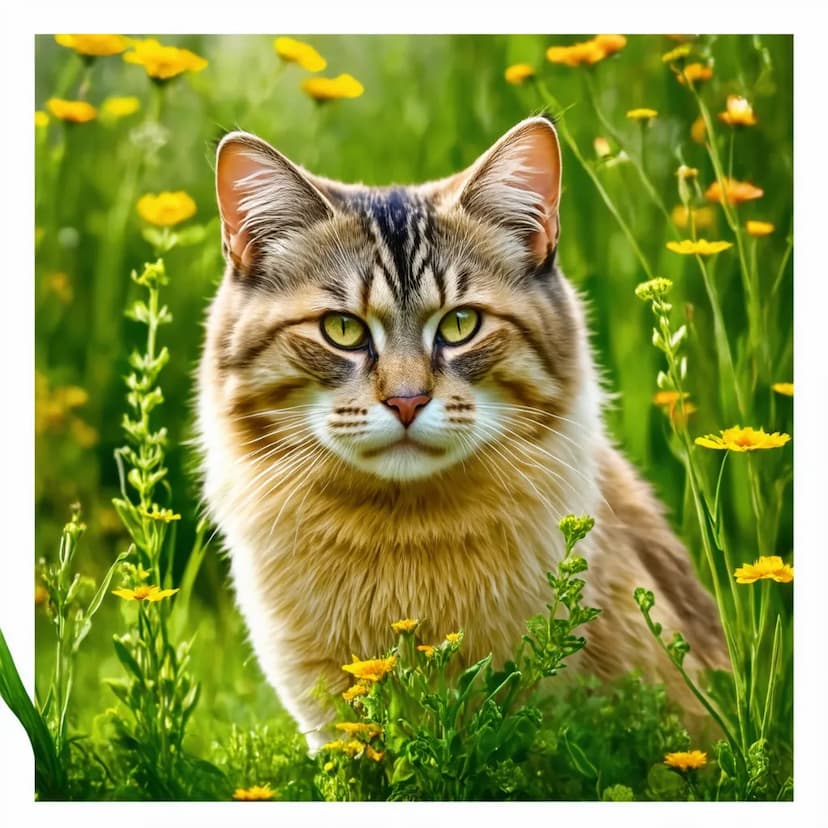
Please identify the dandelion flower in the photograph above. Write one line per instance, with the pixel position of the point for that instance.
(679, 53)
(734, 192)
(374, 755)
(94, 45)
(695, 73)
(120, 107)
(454, 638)
(686, 760)
(759, 228)
(256, 793)
(768, 567)
(165, 209)
(587, 52)
(77, 112)
(406, 625)
(426, 649)
(365, 730)
(739, 112)
(519, 73)
(785, 388)
(295, 51)
(41, 118)
(703, 217)
(371, 670)
(331, 89)
(700, 247)
(642, 114)
(163, 62)
(743, 439)
(144, 593)
(698, 130)
(356, 690)
(352, 747)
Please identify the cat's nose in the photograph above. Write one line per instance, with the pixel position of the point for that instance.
(406, 408)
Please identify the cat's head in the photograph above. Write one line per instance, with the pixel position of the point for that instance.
(402, 329)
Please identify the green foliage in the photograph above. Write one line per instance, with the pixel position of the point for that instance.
(185, 685)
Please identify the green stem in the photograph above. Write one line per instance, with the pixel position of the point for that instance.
(570, 142)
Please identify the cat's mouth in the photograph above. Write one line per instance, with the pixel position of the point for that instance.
(406, 443)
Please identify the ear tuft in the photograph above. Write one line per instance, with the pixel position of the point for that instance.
(517, 185)
(262, 197)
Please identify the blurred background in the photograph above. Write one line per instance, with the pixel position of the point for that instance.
(430, 106)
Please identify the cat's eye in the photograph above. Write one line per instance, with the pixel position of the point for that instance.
(344, 331)
(459, 326)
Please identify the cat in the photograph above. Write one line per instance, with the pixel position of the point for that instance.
(397, 402)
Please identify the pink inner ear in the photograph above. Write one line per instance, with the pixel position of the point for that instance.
(235, 164)
(542, 175)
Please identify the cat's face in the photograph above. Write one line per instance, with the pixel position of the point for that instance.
(401, 330)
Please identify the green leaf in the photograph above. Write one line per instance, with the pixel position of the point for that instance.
(579, 759)
(126, 658)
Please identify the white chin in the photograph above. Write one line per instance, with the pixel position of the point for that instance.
(404, 462)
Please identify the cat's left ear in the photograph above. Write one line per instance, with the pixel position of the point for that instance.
(517, 185)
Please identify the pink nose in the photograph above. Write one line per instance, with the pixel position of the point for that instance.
(406, 408)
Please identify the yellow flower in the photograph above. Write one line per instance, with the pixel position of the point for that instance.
(41, 595)
(351, 748)
(161, 515)
(686, 760)
(294, 51)
(642, 114)
(371, 670)
(352, 692)
(735, 192)
(518, 73)
(677, 54)
(94, 45)
(365, 730)
(407, 625)
(767, 567)
(120, 107)
(685, 173)
(427, 649)
(743, 439)
(166, 209)
(588, 52)
(454, 638)
(256, 793)
(703, 217)
(698, 130)
(695, 73)
(78, 112)
(785, 388)
(144, 593)
(668, 398)
(331, 89)
(163, 62)
(701, 247)
(41, 118)
(669, 401)
(328, 767)
(738, 112)
(375, 755)
(759, 228)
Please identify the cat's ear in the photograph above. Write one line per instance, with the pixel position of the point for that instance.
(516, 184)
(262, 197)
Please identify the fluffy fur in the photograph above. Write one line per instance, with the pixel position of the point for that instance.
(340, 517)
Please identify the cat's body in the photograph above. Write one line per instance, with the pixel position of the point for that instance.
(397, 404)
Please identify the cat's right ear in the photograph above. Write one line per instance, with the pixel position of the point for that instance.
(262, 197)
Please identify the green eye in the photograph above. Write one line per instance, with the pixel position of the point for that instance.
(459, 325)
(344, 331)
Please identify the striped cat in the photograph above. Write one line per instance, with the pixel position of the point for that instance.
(397, 402)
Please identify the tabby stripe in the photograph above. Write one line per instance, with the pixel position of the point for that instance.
(248, 354)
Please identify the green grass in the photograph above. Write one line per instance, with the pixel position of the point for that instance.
(431, 105)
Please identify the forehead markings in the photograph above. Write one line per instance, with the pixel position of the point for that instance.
(400, 223)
